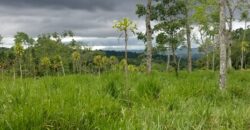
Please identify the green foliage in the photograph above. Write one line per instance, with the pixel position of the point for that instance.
(19, 49)
(125, 24)
(160, 101)
(141, 10)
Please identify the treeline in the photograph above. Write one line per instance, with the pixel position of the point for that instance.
(48, 55)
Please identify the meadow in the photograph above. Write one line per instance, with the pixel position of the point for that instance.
(160, 101)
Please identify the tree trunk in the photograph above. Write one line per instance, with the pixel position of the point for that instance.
(242, 60)
(179, 64)
(149, 37)
(213, 57)
(14, 73)
(20, 68)
(126, 53)
(74, 70)
(168, 58)
(229, 51)
(174, 60)
(213, 66)
(207, 61)
(99, 71)
(63, 69)
(242, 47)
(188, 33)
(223, 47)
(230, 40)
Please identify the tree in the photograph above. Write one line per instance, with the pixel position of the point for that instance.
(148, 11)
(223, 46)
(45, 63)
(207, 18)
(188, 34)
(113, 62)
(76, 56)
(125, 25)
(98, 62)
(19, 50)
(24, 39)
(171, 22)
(57, 64)
(232, 6)
(206, 48)
(3, 61)
(163, 46)
(244, 17)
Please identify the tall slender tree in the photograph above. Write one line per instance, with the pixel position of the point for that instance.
(148, 12)
(244, 17)
(223, 46)
(233, 6)
(188, 34)
(19, 50)
(125, 25)
(171, 23)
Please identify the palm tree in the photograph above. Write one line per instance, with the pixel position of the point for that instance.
(98, 62)
(19, 50)
(76, 59)
(125, 25)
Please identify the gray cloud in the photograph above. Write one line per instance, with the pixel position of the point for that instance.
(70, 4)
(88, 18)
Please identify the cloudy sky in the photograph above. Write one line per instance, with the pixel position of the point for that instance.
(90, 20)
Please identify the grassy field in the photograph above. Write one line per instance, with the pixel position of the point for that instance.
(161, 101)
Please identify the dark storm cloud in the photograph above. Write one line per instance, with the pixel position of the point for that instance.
(84, 17)
(71, 4)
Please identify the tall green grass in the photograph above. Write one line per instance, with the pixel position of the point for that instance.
(158, 102)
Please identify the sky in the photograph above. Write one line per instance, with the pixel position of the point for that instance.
(90, 20)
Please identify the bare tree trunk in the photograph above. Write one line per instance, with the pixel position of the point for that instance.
(242, 47)
(62, 69)
(126, 53)
(223, 47)
(174, 60)
(188, 33)
(149, 37)
(242, 59)
(20, 68)
(99, 71)
(179, 64)
(213, 57)
(229, 51)
(213, 66)
(14, 73)
(74, 70)
(168, 58)
(229, 45)
(207, 58)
